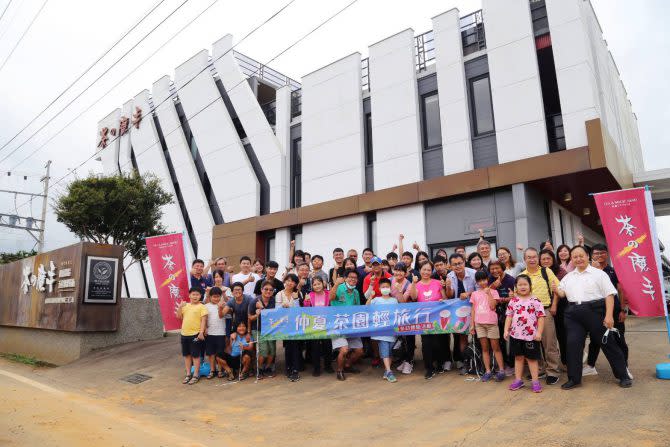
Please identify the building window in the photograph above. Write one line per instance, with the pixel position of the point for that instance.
(482, 110)
(296, 173)
(270, 246)
(430, 121)
(368, 139)
(371, 235)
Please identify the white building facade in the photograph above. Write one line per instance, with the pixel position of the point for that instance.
(489, 121)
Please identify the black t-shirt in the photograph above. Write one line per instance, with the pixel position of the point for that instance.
(252, 310)
(240, 310)
(439, 277)
(612, 274)
(277, 284)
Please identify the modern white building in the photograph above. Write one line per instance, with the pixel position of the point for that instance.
(504, 120)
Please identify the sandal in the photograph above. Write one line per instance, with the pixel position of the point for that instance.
(230, 376)
(186, 379)
(220, 375)
(194, 380)
(210, 375)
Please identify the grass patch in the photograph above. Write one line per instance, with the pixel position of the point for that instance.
(30, 361)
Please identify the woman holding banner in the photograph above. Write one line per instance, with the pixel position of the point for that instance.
(590, 296)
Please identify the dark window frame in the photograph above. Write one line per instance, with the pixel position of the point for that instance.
(424, 122)
(296, 188)
(473, 110)
(369, 154)
(370, 222)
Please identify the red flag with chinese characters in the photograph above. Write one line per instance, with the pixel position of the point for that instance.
(168, 266)
(627, 217)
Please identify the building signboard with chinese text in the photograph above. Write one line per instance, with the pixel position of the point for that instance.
(47, 291)
(627, 217)
(304, 323)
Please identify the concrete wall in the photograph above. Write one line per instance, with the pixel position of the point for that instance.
(263, 141)
(452, 91)
(515, 82)
(185, 171)
(408, 220)
(613, 104)
(322, 237)
(395, 111)
(332, 132)
(530, 217)
(140, 320)
(149, 156)
(217, 139)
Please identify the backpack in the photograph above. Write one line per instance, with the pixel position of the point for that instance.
(472, 359)
(545, 276)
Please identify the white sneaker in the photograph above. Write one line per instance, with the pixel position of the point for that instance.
(589, 371)
(407, 369)
(630, 374)
(446, 366)
(402, 366)
(459, 365)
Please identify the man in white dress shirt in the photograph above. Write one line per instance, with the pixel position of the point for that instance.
(590, 295)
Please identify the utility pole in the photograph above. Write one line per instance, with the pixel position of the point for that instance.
(31, 225)
(45, 179)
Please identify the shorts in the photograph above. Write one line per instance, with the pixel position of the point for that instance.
(234, 362)
(351, 343)
(191, 347)
(215, 344)
(487, 330)
(385, 348)
(266, 348)
(530, 349)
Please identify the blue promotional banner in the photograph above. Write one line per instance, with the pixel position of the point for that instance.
(305, 323)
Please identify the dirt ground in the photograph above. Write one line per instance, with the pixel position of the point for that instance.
(85, 403)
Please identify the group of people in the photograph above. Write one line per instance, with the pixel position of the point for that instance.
(538, 312)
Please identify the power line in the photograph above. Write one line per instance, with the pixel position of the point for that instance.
(95, 80)
(24, 34)
(153, 8)
(172, 94)
(216, 99)
(5, 10)
(114, 86)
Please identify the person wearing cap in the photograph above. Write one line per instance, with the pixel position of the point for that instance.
(371, 281)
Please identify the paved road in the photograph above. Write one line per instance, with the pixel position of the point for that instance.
(85, 403)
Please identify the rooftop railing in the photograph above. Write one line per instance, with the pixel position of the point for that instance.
(473, 37)
(252, 68)
(424, 44)
(296, 103)
(365, 73)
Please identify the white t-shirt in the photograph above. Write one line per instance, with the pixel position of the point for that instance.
(215, 324)
(381, 301)
(248, 287)
(590, 285)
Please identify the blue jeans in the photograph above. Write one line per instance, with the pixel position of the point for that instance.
(385, 348)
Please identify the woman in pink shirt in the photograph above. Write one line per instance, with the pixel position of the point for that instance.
(318, 297)
(422, 290)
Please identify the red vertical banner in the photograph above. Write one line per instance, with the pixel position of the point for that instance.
(168, 265)
(627, 219)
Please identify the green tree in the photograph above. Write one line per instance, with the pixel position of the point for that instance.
(6, 258)
(120, 209)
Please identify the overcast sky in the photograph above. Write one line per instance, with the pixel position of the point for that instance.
(68, 36)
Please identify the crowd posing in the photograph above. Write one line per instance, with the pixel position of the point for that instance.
(535, 313)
